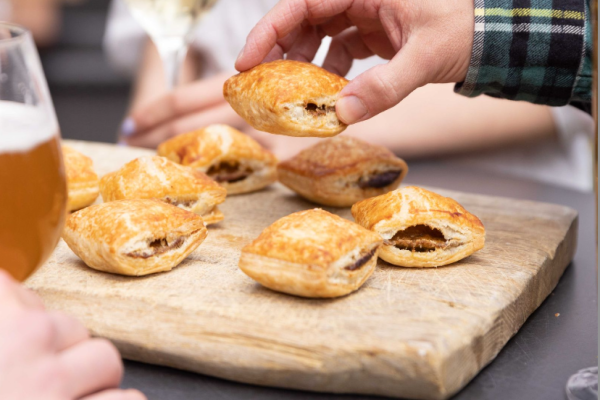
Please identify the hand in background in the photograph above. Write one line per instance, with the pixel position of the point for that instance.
(186, 108)
(426, 41)
(49, 355)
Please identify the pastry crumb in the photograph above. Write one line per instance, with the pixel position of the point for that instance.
(557, 315)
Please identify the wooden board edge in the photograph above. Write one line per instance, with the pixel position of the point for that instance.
(485, 350)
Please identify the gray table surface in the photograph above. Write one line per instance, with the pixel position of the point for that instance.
(535, 364)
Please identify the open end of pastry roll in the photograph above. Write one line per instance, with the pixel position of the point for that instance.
(242, 175)
(229, 172)
(428, 245)
(313, 114)
(380, 179)
(422, 239)
(210, 213)
(156, 246)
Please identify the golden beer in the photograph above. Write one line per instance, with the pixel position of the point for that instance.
(33, 191)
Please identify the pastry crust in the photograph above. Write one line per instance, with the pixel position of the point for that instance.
(233, 159)
(161, 179)
(312, 253)
(82, 180)
(287, 98)
(421, 228)
(133, 237)
(342, 171)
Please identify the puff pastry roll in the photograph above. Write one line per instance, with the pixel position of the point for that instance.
(228, 156)
(312, 254)
(421, 228)
(82, 180)
(341, 171)
(287, 98)
(133, 237)
(161, 179)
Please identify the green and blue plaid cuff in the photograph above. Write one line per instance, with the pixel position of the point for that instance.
(533, 50)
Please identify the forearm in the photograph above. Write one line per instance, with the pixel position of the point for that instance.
(540, 54)
(434, 121)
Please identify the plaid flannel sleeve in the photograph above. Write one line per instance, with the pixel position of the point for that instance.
(534, 50)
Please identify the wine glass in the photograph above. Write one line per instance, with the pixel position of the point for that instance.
(33, 191)
(170, 23)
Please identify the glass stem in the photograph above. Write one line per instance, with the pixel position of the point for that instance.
(172, 53)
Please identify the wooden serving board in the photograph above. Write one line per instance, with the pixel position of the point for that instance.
(412, 333)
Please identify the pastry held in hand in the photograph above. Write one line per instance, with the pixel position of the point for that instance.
(287, 98)
(421, 228)
(161, 179)
(82, 180)
(341, 171)
(228, 156)
(133, 237)
(312, 254)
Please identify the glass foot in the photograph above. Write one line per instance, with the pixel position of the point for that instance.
(583, 385)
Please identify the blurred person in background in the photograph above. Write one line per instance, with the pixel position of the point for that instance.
(517, 138)
(41, 17)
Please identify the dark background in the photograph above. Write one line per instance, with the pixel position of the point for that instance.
(90, 98)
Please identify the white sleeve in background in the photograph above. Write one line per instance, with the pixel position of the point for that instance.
(565, 161)
(124, 39)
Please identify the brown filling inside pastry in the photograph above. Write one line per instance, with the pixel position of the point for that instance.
(379, 180)
(422, 239)
(229, 172)
(159, 246)
(175, 202)
(361, 261)
(317, 110)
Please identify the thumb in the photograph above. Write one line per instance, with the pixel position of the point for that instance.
(381, 87)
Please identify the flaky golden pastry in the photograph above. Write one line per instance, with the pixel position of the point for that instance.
(341, 171)
(312, 254)
(287, 98)
(421, 228)
(161, 179)
(228, 156)
(82, 181)
(133, 237)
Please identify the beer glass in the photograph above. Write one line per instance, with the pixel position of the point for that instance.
(33, 190)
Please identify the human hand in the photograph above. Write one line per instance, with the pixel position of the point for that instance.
(184, 109)
(426, 41)
(49, 355)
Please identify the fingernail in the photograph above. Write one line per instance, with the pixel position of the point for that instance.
(240, 55)
(350, 109)
(122, 143)
(128, 127)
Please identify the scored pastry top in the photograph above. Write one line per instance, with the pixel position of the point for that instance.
(216, 143)
(78, 167)
(157, 177)
(314, 237)
(340, 155)
(118, 222)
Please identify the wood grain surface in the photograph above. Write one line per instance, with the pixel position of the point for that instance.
(411, 333)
